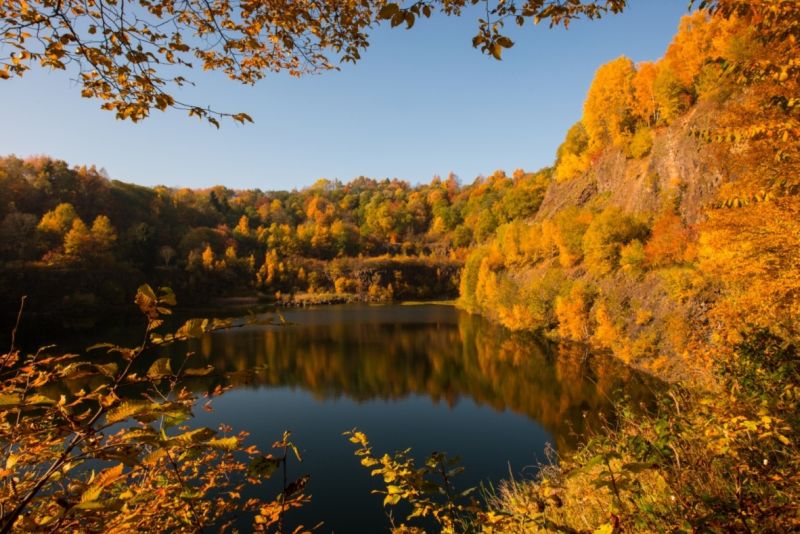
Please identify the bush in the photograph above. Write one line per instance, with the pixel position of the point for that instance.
(605, 237)
(669, 240)
(117, 454)
(632, 257)
(572, 311)
(640, 143)
(565, 231)
(572, 158)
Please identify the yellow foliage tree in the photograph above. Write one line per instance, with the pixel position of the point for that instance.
(135, 63)
(104, 236)
(208, 258)
(565, 231)
(668, 241)
(57, 222)
(243, 227)
(572, 312)
(753, 253)
(700, 38)
(607, 113)
(78, 241)
(572, 157)
(605, 236)
(644, 103)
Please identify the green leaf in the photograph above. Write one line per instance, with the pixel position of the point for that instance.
(296, 452)
(142, 435)
(167, 297)
(192, 328)
(91, 505)
(38, 399)
(176, 416)
(608, 528)
(145, 298)
(76, 370)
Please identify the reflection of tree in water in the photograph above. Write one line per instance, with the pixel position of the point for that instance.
(466, 356)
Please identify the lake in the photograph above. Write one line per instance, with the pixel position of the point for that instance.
(429, 377)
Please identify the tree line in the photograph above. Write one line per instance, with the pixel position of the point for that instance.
(371, 239)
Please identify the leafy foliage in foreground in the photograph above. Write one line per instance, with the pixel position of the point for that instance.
(114, 452)
(135, 56)
(700, 462)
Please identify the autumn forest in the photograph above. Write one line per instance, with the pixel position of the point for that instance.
(639, 299)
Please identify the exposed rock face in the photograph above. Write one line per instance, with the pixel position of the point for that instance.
(679, 168)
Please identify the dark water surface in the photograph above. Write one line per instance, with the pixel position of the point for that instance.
(428, 377)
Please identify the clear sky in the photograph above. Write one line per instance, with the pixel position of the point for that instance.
(421, 102)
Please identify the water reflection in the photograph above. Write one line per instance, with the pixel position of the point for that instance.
(390, 353)
(426, 377)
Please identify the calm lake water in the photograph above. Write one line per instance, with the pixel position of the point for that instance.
(428, 377)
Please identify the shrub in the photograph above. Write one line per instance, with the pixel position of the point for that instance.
(117, 454)
(668, 242)
(565, 230)
(605, 237)
(632, 257)
(640, 143)
(572, 311)
(572, 158)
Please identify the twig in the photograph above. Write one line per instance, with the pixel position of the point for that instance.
(16, 325)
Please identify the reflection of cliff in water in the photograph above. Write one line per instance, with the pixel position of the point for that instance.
(389, 353)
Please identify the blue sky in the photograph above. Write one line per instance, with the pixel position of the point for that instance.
(421, 102)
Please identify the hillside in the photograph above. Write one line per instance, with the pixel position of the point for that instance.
(670, 202)
(78, 243)
(679, 168)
